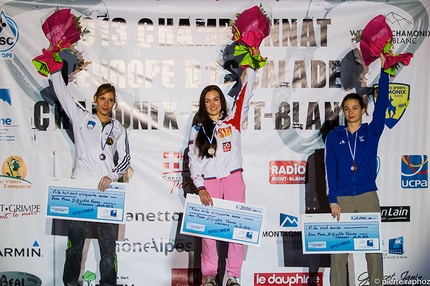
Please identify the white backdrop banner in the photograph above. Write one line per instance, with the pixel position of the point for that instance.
(160, 55)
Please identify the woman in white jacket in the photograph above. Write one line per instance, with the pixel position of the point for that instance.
(215, 161)
(98, 139)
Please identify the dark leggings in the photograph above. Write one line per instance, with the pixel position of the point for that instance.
(107, 242)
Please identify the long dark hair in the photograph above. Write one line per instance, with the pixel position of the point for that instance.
(205, 123)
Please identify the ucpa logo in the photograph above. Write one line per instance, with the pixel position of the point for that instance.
(9, 35)
(414, 171)
(286, 220)
(398, 97)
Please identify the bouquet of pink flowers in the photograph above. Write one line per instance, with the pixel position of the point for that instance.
(377, 38)
(249, 30)
(63, 30)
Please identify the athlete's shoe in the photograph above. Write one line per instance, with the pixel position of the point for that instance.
(211, 281)
(232, 281)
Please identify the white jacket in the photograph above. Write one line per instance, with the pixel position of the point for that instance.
(228, 158)
(90, 137)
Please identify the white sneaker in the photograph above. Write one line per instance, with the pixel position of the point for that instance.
(210, 281)
(232, 281)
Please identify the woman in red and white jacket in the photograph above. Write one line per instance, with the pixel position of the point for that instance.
(215, 161)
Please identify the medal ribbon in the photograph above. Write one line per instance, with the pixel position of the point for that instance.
(107, 138)
(213, 134)
(349, 145)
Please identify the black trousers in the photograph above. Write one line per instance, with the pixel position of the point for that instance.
(107, 242)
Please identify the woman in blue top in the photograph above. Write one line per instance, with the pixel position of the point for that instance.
(350, 160)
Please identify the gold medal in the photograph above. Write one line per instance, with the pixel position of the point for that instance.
(211, 151)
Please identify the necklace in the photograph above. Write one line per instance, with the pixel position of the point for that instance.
(102, 156)
(352, 152)
(211, 150)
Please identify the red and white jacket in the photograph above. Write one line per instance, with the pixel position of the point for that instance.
(228, 158)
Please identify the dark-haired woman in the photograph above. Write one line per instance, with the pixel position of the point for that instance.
(98, 138)
(351, 152)
(215, 160)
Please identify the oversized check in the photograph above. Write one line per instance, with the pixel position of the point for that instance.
(80, 200)
(354, 232)
(225, 220)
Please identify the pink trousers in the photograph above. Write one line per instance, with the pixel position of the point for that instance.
(230, 188)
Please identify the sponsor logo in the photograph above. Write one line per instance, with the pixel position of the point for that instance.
(29, 252)
(19, 278)
(287, 172)
(9, 35)
(414, 169)
(278, 233)
(398, 97)
(292, 278)
(395, 213)
(18, 210)
(226, 146)
(172, 162)
(396, 245)
(14, 171)
(153, 217)
(163, 246)
(6, 122)
(176, 170)
(286, 220)
(224, 131)
(5, 96)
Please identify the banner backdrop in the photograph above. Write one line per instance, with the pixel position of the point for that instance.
(160, 55)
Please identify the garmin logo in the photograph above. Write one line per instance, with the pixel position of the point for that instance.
(396, 214)
(34, 251)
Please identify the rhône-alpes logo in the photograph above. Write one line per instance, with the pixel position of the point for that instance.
(13, 173)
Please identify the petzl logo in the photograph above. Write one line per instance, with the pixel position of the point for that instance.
(414, 171)
(395, 246)
(398, 97)
(9, 35)
(286, 220)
